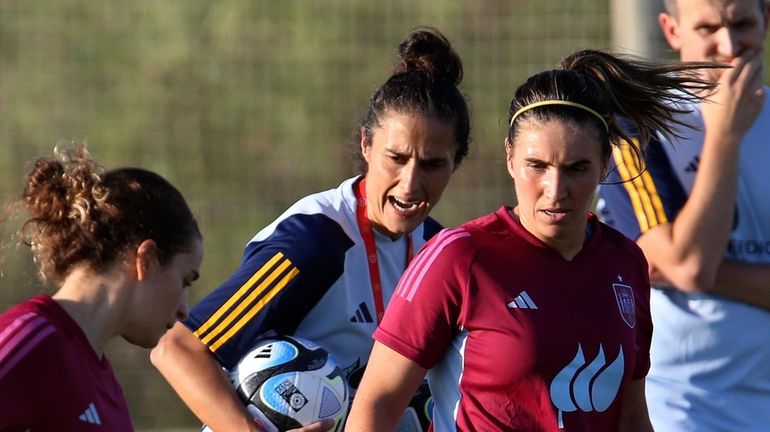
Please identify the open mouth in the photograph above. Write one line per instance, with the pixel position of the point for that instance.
(556, 215)
(555, 212)
(404, 206)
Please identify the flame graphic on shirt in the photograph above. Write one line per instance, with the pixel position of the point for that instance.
(587, 386)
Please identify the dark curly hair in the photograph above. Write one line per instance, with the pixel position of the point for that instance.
(81, 215)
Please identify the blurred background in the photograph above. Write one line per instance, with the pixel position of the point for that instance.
(247, 106)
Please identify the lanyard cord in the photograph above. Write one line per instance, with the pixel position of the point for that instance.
(367, 233)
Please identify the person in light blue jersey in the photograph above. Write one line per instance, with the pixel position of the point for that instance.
(699, 207)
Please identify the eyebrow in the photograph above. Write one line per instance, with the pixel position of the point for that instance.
(195, 275)
(569, 164)
(534, 159)
(409, 154)
(579, 162)
(434, 159)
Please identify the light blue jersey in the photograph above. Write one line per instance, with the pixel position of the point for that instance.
(710, 355)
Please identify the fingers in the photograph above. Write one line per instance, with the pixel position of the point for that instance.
(753, 73)
(747, 68)
(759, 96)
(739, 96)
(319, 426)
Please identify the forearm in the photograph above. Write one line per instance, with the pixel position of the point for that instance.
(688, 250)
(370, 415)
(744, 282)
(388, 384)
(701, 230)
(199, 381)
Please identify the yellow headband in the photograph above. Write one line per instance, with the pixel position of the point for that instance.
(560, 102)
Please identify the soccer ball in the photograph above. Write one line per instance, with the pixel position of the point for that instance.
(287, 382)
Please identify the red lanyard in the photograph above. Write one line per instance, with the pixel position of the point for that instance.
(365, 226)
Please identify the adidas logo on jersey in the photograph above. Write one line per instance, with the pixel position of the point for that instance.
(362, 314)
(90, 415)
(522, 301)
(693, 165)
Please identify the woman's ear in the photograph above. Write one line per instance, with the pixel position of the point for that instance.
(146, 257)
(508, 148)
(365, 145)
(509, 157)
(605, 170)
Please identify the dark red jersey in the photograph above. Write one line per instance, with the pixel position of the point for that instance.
(516, 337)
(50, 376)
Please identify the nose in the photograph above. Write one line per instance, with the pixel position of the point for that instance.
(555, 185)
(728, 43)
(410, 177)
(181, 309)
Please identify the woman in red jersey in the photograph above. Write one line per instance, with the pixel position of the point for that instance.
(535, 317)
(121, 247)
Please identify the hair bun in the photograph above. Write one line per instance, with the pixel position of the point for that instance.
(45, 192)
(426, 49)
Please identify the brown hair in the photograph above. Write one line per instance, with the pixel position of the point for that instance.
(424, 82)
(645, 93)
(81, 215)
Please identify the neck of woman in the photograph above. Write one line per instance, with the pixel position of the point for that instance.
(93, 301)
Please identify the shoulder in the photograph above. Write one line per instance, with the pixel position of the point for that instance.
(334, 206)
(324, 221)
(36, 309)
(496, 223)
(469, 237)
(336, 202)
(308, 240)
(620, 245)
(26, 329)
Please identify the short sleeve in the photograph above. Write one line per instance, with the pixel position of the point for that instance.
(639, 195)
(425, 311)
(644, 325)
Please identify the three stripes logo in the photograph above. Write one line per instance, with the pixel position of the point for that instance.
(412, 278)
(587, 386)
(522, 301)
(247, 301)
(693, 165)
(641, 190)
(90, 415)
(362, 314)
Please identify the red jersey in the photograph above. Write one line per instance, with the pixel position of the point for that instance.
(518, 338)
(51, 378)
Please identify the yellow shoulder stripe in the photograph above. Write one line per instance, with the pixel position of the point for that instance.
(640, 187)
(251, 297)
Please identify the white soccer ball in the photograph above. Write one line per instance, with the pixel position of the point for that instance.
(288, 382)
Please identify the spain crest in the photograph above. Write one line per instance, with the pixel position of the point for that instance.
(624, 295)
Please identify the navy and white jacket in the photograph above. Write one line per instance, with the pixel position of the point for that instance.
(306, 274)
